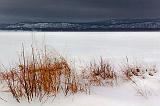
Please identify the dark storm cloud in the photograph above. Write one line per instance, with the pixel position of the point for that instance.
(76, 10)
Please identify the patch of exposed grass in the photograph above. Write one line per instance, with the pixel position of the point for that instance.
(131, 71)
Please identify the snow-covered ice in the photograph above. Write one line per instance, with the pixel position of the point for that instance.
(139, 47)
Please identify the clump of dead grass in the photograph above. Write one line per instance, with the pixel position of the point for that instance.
(38, 76)
(102, 73)
(131, 71)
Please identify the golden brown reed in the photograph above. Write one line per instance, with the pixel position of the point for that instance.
(46, 74)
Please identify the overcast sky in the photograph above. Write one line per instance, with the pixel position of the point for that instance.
(76, 10)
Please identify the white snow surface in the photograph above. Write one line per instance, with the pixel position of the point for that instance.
(81, 47)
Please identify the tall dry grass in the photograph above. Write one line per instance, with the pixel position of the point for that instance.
(102, 73)
(43, 73)
(40, 75)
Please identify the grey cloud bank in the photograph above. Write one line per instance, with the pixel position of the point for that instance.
(76, 10)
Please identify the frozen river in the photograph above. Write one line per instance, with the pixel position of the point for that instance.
(84, 46)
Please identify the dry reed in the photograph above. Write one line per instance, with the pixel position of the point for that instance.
(44, 74)
(41, 75)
